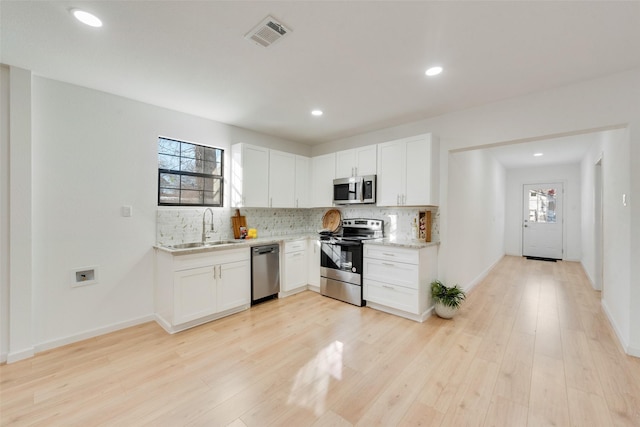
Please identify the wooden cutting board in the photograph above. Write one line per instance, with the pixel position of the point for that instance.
(238, 221)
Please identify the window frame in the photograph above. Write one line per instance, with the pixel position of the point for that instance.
(181, 173)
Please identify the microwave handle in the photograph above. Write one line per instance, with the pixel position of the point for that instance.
(360, 189)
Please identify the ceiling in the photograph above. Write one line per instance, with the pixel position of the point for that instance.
(555, 151)
(362, 62)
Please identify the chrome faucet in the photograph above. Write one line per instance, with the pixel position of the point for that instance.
(204, 232)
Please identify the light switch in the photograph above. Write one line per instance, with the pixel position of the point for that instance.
(127, 211)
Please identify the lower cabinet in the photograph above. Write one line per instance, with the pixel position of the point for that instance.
(397, 280)
(313, 264)
(294, 278)
(196, 288)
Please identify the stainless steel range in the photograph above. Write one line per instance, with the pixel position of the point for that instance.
(341, 259)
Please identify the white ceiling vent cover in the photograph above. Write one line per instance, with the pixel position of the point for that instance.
(267, 32)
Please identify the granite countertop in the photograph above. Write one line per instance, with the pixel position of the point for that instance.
(236, 244)
(402, 243)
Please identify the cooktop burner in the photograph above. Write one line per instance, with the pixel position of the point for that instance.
(357, 229)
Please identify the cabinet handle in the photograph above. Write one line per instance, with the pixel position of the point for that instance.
(388, 254)
(397, 199)
(404, 199)
(296, 203)
(270, 202)
(219, 272)
(388, 287)
(389, 264)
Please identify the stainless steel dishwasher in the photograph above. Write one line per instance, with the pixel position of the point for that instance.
(265, 273)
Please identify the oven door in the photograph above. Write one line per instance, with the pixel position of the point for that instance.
(341, 260)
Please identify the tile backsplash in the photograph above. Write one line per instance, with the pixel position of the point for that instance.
(183, 225)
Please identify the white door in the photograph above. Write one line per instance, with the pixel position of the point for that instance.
(542, 220)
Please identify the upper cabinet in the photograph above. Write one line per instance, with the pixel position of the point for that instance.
(356, 162)
(250, 172)
(282, 178)
(323, 172)
(303, 177)
(264, 178)
(408, 172)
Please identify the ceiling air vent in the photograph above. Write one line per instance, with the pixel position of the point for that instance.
(267, 32)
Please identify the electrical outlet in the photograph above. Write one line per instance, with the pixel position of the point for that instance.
(84, 276)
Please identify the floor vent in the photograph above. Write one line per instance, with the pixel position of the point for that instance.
(267, 32)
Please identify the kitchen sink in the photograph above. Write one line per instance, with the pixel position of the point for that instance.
(196, 245)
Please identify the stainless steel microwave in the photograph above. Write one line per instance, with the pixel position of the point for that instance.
(354, 190)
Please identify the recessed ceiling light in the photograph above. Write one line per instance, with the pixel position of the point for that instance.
(538, 154)
(317, 113)
(86, 18)
(433, 71)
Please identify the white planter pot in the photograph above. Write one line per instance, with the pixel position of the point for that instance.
(445, 311)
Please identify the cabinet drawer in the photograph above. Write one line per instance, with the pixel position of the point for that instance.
(397, 273)
(390, 253)
(393, 296)
(208, 258)
(297, 245)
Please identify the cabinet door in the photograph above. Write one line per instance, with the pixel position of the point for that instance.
(397, 297)
(365, 160)
(194, 294)
(295, 270)
(418, 161)
(313, 262)
(391, 173)
(282, 176)
(345, 163)
(234, 285)
(323, 170)
(398, 273)
(254, 177)
(303, 172)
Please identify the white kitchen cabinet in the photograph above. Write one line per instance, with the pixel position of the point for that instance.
(302, 190)
(397, 280)
(356, 162)
(197, 288)
(408, 172)
(282, 178)
(323, 172)
(313, 264)
(250, 176)
(294, 278)
(194, 294)
(234, 285)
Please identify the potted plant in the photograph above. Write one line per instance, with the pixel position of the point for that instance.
(447, 299)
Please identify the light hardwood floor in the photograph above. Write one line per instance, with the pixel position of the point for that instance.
(530, 347)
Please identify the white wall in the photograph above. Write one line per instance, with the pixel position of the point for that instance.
(4, 212)
(604, 103)
(569, 175)
(617, 284)
(92, 153)
(476, 215)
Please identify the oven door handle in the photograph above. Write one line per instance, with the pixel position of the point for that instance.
(342, 243)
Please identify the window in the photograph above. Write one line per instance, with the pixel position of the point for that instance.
(189, 174)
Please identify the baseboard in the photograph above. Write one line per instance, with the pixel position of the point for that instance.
(591, 280)
(616, 329)
(48, 345)
(633, 351)
(314, 288)
(482, 275)
(20, 355)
